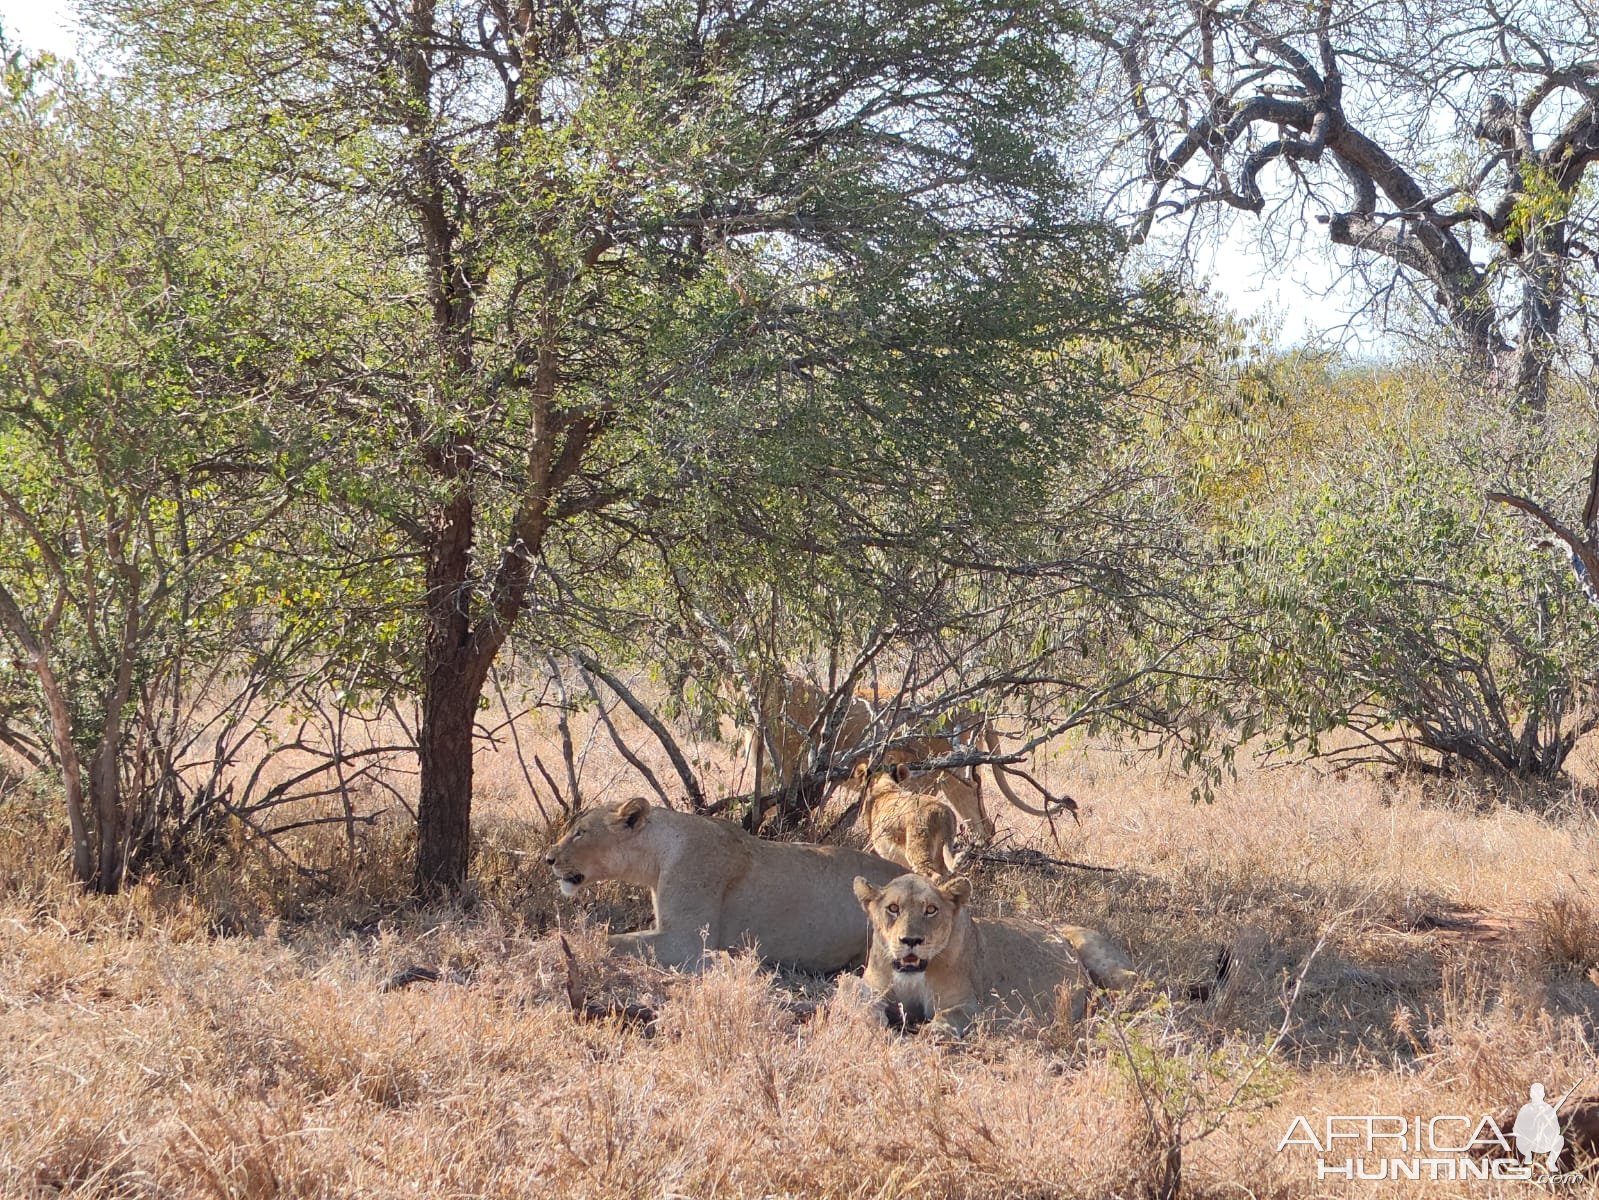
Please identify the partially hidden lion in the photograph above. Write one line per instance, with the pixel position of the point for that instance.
(792, 713)
(796, 712)
(715, 887)
(936, 963)
(911, 820)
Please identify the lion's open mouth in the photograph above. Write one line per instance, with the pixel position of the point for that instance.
(910, 965)
(570, 882)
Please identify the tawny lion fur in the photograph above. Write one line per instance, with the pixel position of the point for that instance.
(792, 708)
(714, 887)
(912, 820)
(934, 961)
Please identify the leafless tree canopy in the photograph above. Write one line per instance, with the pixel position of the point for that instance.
(1446, 140)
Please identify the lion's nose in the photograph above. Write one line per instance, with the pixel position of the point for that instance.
(910, 941)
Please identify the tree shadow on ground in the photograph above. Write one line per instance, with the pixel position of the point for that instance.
(1369, 975)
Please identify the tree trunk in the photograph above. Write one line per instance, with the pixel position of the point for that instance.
(1543, 293)
(71, 769)
(109, 826)
(451, 685)
(444, 814)
(105, 780)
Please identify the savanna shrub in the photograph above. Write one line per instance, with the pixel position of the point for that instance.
(1385, 595)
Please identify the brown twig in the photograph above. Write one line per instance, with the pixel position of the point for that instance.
(583, 1009)
(650, 721)
(622, 748)
(567, 806)
(1036, 858)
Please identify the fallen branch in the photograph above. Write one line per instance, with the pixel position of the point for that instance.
(1038, 859)
(417, 973)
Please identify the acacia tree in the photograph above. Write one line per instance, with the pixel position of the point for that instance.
(1447, 141)
(129, 352)
(631, 262)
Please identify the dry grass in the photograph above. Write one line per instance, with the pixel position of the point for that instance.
(229, 1037)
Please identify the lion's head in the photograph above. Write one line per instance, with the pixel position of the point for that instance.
(913, 917)
(598, 843)
(865, 777)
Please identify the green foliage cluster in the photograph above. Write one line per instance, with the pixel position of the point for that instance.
(342, 347)
(153, 545)
(1369, 587)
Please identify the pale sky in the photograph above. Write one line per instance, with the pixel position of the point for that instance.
(39, 25)
(1291, 303)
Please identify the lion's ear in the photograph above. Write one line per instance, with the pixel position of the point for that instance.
(902, 772)
(957, 890)
(864, 891)
(861, 768)
(632, 812)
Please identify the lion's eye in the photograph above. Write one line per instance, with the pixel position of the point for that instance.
(577, 834)
(893, 910)
(932, 910)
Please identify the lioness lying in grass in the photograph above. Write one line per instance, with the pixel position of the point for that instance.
(716, 887)
(935, 961)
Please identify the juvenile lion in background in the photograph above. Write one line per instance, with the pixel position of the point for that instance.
(871, 720)
(932, 958)
(909, 823)
(715, 887)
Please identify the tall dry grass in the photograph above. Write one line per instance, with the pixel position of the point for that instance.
(229, 1035)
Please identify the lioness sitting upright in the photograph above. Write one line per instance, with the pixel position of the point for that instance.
(932, 958)
(716, 887)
